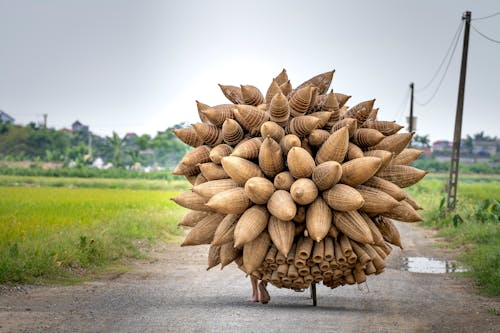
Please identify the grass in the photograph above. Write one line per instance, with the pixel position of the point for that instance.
(473, 228)
(72, 182)
(56, 234)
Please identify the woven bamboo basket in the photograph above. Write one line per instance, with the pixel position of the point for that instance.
(250, 225)
(225, 230)
(303, 191)
(282, 234)
(232, 201)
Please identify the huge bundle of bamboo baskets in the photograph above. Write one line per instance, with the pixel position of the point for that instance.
(294, 186)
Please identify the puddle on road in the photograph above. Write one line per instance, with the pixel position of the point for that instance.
(431, 265)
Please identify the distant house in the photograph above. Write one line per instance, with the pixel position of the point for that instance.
(5, 118)
(79, 127)
(484, 148)
(441, 145)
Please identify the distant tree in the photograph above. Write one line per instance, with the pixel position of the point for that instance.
(117, 145)
(422, 141)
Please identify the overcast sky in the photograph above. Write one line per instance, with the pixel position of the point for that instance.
(139, 66)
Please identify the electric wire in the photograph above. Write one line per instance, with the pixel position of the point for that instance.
(442, 77)
(455, 36)
(485, 17)
(484, 36)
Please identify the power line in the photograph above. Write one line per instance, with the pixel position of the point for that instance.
(444, 74)
(453, 41)
(484, 36)
(485, 17)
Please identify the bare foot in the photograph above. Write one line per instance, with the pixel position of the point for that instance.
(254, 298)
(264, 295)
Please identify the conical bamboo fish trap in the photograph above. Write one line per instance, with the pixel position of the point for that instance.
(326, 174)
(240, 170)
(388, 231)
(321, 81)
(318, 219)
(407, 156)
(402, 175)
(403, 212)
(318, 137)
(250, 225)
(386, 186)
(288, 142)
(359, 170)
(282, 234)
(350, 123)
(212, 171)
(353, 226)
(271, 157)
(302, 126)
(250, 117)
(193, 217)
(203, 232)
(286, 88)
(259, 190)
(394, 143)
(329, 249)
(251, 95)
(274, 88)
(281, 205)
(232, 133)
(210, 134)
(273, 130)
(233, 201)
(361, 111)
(334, 148)
(213, 256)
(219, 113)
(283, 181)
(367, 137)
(188, 136)
(353, 152)
(199, 179)
(385, 127)
(184, 170)
(301, 100)
(342, 197)
(303, 191)
(225, 230)
(323, 116)
(375, 200)
(217, 153)
(248, 149)
(211, 188)
(228, 253)
(198, 155)
(384, 155)
(300, 162)
(255, 251)
(279, 111)
(192, 200)
(232, 93)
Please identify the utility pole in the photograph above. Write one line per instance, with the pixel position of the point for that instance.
(410, 120)
(45, 120)
(455, 153)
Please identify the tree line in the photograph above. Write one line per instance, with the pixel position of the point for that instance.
(37, 143)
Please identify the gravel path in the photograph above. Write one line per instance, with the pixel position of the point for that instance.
(174, 293)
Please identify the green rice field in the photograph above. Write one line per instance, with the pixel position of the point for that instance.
(58, 232)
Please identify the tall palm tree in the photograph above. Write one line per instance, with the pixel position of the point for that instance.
(117, 145)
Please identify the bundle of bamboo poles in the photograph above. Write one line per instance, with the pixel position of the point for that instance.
(294, 186)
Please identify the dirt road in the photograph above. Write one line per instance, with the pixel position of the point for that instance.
(174, 293)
